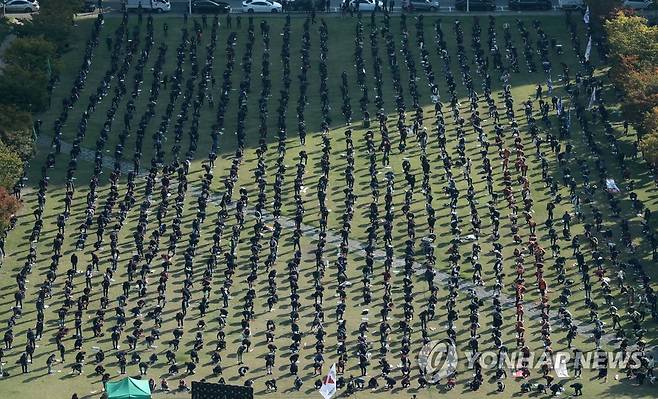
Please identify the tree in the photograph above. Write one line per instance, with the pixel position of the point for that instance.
(54, 22)
(634, 50)
(649, 147)
(650, 121)
(640, 88)
(631, 38)
(11, 167)
(23, 88)
(16, 128)
(32, 53)
(9, 205)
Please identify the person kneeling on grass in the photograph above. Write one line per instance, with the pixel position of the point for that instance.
(270, 385)
(578, 387)
(77, 368)
(242, 371)
(298, 383)
(191, 366)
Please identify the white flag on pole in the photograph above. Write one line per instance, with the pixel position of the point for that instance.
(586, 16)
(549, 83)
(592, 99)
(611, 186)
(328, 388)
(588, 50)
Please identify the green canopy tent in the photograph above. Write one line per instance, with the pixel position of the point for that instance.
(128, 388)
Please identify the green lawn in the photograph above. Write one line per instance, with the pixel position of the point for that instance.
(341, 50)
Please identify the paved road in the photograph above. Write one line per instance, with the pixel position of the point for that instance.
(180, 6)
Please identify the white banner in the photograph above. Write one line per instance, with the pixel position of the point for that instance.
(328, 388)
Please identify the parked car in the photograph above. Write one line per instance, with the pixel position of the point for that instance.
(22, 6)
(420, 5)
(520, 5)
(572, 4)
(306, 5)
(210, 7)
(476, 5)
(149, 5)
(252, 6)
(366, 5)
(638, 4)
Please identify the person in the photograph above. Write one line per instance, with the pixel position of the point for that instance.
(74, 262)
(270, 385)
(578, 388)
(49, 362)
(555, 389)
(23, 361)
(298, 383)
(241, 349)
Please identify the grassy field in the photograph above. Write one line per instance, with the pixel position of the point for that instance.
(341, 49)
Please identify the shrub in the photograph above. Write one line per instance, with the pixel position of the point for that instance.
(11, 167)
(26, 90)
(9, 205)
(16, 131)
(649, 148)
(32, 53)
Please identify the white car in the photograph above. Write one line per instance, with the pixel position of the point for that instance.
(366, 5)
(149, 5)
(638, 4)
(251, 6)
(26, 6)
